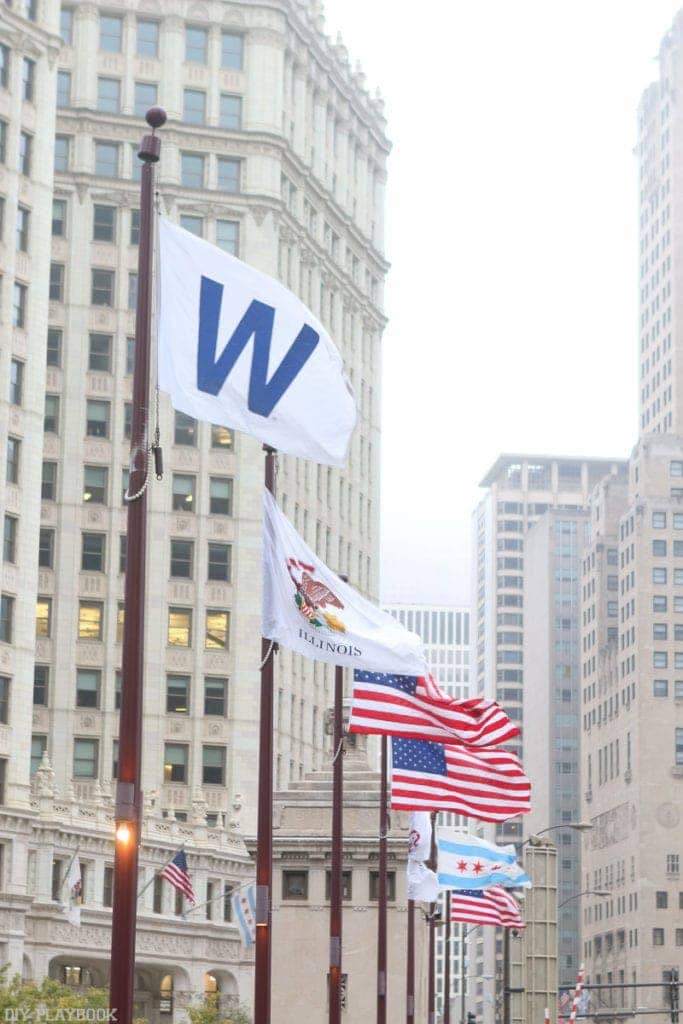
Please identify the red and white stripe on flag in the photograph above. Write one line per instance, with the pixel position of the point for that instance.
(486, 906)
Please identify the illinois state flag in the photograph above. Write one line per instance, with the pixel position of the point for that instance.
(236, 348)
(308, 609)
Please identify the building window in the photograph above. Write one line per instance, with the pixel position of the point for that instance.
(679, 748)
(63, 89)
(48, 487)
(657, 936)
(295, 885)
(54, 347)
(213, 766)
(107, 159)
(134, 240)
(86, 756)
(111, 33)
(195, 225)
(93, 551)
(95, 485)
(56, 282)
(229, 174)
(185, 430)
(661, 899)
(228, 236)
(102, 288)
(659, 520)
(195, 45)
(61, 153)
(6, 618)
(660, 688)
(66, 25)
(46, 548)
(99, 352)
(123, 551)
(182, 552)
(676, 468)
(220, 496)
(147, 38)
(28, 79)
(4, 699)
(19, 295)
(220, 562)
(177, 694)
(38, 748)
(4, 65)
(183, 493)
(660, 631)
(97, 418)
(23, 225)
(672, 863)
(9, 539)
(175, 762)
(90, 620)
(25, 153)
(58, 218)
(108, 95)
(104, 223)
(231, 112)
(88, 684)
(12, 461)
(118, 679)
(659, 603)
(217, 629)
(108, 885)
(120, 621)
(222, 438)
(16, 381)
(391, 885)
(179, 627)
(215, 695)
(41, 684)
(194, 106)
(157, 900)
(192, 170)
(232, 47)
(659, 547)
(132, 290)
(145, 97)
(43, 616)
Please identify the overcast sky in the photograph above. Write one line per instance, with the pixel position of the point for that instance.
(512, 234)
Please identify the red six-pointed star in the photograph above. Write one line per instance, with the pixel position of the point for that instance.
(462, 865)
(477, 868)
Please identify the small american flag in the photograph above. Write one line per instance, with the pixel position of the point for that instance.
(416, 708)
(483, 783)
(177, 874)
(486, 906)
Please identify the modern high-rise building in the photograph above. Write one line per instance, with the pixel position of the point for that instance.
(275, 151)
(445, 633)
(519, 490)
(632, 728)
(552, 661)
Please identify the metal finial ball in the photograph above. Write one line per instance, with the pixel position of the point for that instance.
(155, 117)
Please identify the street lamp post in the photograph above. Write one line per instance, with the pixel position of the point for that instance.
(602, 893)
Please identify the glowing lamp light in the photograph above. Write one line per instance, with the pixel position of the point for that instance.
(124, 833)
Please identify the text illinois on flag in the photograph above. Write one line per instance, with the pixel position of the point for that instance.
(482, 783)
(237, 348)
(416, 708)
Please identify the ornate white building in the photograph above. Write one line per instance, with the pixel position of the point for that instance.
(275, 151)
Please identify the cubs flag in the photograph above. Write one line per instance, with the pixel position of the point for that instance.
(466, 862)
(486, 906)
(422, 882)
(244, 913)
(483, 783)
(236, 348)
(416, 708)
(310, 610)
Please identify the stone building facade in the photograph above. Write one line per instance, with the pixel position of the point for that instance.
(275, 151)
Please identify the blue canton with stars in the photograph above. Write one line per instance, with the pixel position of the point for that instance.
(407, 684)
(419, 756)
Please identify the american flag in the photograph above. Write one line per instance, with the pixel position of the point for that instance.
(486, 906)
(416, 708)
(177, 874)
(483, 783)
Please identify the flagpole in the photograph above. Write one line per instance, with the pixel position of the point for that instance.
(336, 873)
(382, 890)
(264, 827)
(410, 965)
(431, 992)
(128, 805)
(464, 938)
(446, 1012)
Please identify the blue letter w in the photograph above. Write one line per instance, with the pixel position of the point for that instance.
(257, 321)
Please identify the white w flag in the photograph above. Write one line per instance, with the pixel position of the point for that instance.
(244, 913)
(422, 882)
(236, 348)
(73, 893)
(308, 609)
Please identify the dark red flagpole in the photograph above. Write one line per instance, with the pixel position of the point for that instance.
(128, 805)
(431, 993)
(336, 869)
(446, 1015)
(410, 965)
(264, 826)
(382, 891)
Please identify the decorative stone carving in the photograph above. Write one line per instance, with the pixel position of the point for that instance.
(44, 778)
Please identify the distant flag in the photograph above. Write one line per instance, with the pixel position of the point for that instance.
(467, 862)
(244, 913)
(310, 610)
(416, 708)
(177, 874)
(486, 906)
(73, 896)
(239, 349)
(422, 881)
(483, 783)
(577, 994)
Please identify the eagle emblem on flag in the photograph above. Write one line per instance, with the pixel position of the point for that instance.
(312, 597)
